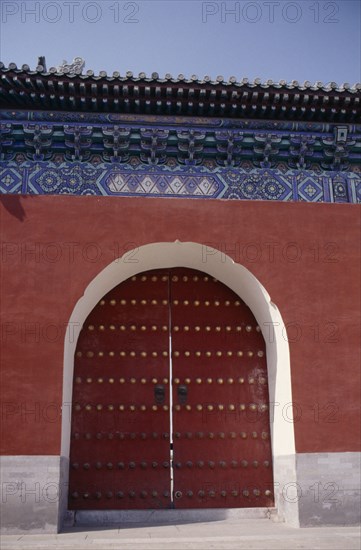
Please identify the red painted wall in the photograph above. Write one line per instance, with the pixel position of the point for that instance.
(306, 255)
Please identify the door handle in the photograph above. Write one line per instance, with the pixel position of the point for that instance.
(159, 393)
(182, 392)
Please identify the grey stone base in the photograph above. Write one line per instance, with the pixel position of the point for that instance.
(285, 482)
(313, 489)
(30, 489)
(329, 488)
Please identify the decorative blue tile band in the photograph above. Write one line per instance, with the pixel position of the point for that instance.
(245, 182)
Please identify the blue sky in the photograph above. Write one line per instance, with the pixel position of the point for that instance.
(270, 39)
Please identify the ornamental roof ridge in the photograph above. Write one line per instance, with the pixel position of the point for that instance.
(69, 72)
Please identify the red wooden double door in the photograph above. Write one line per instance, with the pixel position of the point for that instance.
(170, 400)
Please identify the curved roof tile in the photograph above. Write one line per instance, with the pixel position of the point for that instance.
(294, 84)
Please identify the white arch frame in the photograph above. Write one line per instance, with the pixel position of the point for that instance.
(249, 289)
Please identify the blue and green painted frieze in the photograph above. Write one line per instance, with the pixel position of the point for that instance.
(129, 155)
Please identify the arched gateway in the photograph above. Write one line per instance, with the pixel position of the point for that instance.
(170, 403)
(163, 260)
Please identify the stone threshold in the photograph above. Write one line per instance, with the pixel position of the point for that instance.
(170, 516)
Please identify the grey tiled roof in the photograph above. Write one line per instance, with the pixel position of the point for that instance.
(193, 79)
(69, 88)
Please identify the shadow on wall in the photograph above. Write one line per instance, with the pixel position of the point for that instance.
(12, 203)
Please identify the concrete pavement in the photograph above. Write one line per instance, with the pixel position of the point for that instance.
(230, 534)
